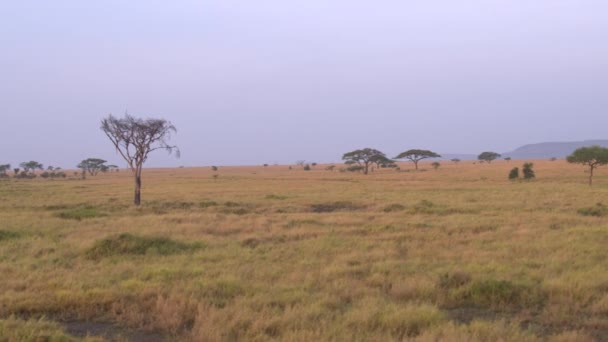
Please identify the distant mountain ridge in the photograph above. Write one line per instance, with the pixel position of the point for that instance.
(548, 150)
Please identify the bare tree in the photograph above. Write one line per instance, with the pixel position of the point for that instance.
(135, 138)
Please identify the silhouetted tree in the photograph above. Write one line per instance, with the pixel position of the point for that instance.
(363, 158)
(487, 156)
(31, 166)
(3, 169)
(593, 157)
(514, 173)
(93, 166)
(135, 138)
(455, 160)
(416, 155)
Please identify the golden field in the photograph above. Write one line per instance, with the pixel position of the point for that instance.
(267, 253)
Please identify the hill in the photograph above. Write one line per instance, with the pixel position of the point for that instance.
(547, 150)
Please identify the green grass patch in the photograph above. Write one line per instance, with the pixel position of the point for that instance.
(8, 235)
(503, 294)
(599, 210)
(80, 213)
(335, 206)
(128, 244)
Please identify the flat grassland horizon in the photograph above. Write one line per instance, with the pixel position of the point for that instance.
(268, 253)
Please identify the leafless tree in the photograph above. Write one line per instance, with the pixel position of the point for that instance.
(135, 138)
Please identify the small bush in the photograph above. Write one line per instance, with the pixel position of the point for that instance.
(307, 167)
(127, 244)
(499, 294)
(598, 210)
(528, 171)
(393, 207)
(514, 173)
(355, 168)
(436, 165)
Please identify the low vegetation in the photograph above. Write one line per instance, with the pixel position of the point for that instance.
(268, 253)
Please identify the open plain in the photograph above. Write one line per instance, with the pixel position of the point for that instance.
(268, 253)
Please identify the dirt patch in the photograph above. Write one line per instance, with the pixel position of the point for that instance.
(110, 332)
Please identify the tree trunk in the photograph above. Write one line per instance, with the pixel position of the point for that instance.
(137, 199)
(590, 176)
(416, 164)
(366, 168)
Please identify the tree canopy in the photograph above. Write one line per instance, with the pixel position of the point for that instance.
(488, 156)
(135, 138)
(416, 155)
(31, 166)
(363, 157)
(93, 166)
(593, 156)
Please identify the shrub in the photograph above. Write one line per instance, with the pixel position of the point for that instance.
(355, 168)
(214, 168)
(127, 244)
(307, 167)
(514, 173)
(436, 165)
(528, 171)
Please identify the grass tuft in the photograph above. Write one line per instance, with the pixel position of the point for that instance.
(127, 244)
(8, 235)
(80, 213)
(335, 206)
(393, 207)
(599, 210)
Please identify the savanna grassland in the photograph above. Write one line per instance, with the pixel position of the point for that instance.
(267, 253)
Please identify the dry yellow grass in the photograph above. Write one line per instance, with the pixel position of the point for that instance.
(268, 253)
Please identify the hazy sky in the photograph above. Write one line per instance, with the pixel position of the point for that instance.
(275, 81)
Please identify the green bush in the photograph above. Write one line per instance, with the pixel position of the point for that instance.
(514, 173)
(528, 171)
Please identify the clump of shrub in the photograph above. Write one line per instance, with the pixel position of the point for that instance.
(335, 206)
(81, 212)
(514, 173)
(528, 171)
(355, 168)
(128, 244)
(598, 210)
(393, 207)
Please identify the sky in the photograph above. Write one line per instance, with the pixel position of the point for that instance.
(274, 81)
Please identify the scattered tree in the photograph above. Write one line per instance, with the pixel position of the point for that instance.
(3, 169)
(330, 167)
(507, 158)
(417, 155)
(527, 171)
(436, 165)
(364, 158)
(135, 138)
(93, 166)
(31, 166)
(300, 163)
(214, 168)
(455, 160)
(514, 173)
(382, 161)
(307, 167)
(487, 156)
(593, 157)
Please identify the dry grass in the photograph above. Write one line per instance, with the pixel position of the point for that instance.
(267, 253)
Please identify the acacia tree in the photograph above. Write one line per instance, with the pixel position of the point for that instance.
(382, 161)
(135, 138)
(3, 169)
(416, 155)
(593, 157)
(93, 166)
(487, 156)
(31, 166)
(363, 158)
